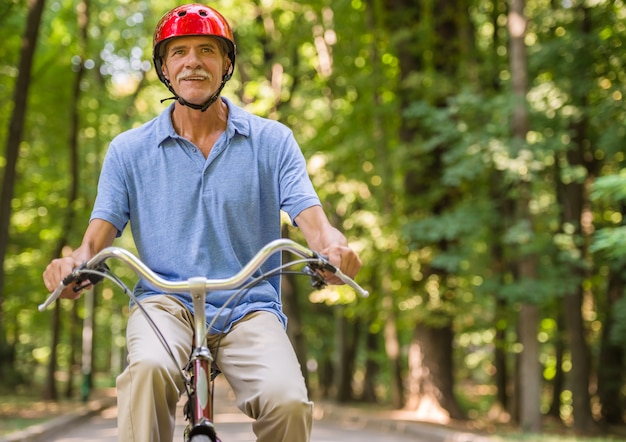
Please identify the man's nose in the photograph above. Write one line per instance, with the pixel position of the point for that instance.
(192, 59)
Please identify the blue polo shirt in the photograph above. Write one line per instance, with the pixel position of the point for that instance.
(192, 216)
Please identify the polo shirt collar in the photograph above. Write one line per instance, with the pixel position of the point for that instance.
(238, 122)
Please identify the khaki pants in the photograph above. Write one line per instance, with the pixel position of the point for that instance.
(256, 357)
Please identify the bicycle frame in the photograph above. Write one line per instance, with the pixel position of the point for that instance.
(199, 411)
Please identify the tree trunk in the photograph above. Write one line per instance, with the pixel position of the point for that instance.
(500, 358)
(572, 205)
(611, 361)
(325, 374)
(50, 391)
(529, 370)
(392, 345)
(558, 381)
(74, 340)
(372, 368)
(448, 51)
(385, 168)
(347, 359)
(74, 337)
(529, 375)
(430, 378)
(326, 362)
(292, 308)
(87, 343)
(14, 138)
(573, 197)
(581, 363)
(505, 206)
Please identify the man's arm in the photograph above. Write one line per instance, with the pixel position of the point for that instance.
(99, 234)
(322, 237)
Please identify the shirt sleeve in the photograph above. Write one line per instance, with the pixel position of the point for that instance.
(112, 202)
(296, 189)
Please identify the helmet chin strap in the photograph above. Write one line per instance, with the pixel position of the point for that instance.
(200, 107)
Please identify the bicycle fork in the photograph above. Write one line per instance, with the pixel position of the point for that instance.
(199, 410)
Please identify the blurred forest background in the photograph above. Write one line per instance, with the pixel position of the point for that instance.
(473, 152)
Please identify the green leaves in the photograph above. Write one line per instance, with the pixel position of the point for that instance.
(610, 188)
(420, 171)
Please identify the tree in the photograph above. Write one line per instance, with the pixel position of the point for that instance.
(50, 390)
(431, 365)
(529, 375)
(608, 247)
(405, 111)
(14, 138)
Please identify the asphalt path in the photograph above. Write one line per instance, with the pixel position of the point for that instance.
(231, 424)
(102, 428)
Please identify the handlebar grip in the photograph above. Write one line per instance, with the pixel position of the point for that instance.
(52, 297)
(352, 283)
(78, 276)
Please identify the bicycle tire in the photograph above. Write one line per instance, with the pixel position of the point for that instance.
(200, 438)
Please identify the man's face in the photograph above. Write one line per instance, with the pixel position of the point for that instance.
(195, 66)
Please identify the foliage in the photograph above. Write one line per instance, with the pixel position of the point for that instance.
(331, 72)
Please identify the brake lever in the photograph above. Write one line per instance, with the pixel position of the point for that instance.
(80, 276)
(322, 265)
(317, 281)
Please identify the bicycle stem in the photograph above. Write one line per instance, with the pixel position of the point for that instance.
(197, 289)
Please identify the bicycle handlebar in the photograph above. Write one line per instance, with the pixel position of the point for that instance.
(233, 282)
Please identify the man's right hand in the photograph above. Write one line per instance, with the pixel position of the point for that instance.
(57, 270)
(99, 234)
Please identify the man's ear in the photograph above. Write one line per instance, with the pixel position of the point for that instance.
(228, 65)
(164, 71)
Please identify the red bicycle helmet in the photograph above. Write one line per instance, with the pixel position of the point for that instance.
(192, 19)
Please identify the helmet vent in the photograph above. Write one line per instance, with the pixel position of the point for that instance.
(182, 13)
(203, 13)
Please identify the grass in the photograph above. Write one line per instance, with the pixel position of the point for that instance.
(555, 438)
(478, 400)
(21, 411)
(9, 425)
(25, 407)
(551, 433)
(554, 431)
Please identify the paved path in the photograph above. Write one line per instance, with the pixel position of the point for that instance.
(103, 429)
(332, 423)
(232, 425)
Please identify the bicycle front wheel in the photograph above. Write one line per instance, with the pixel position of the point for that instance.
(201, 438)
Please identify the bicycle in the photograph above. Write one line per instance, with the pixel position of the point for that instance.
(199, 373)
